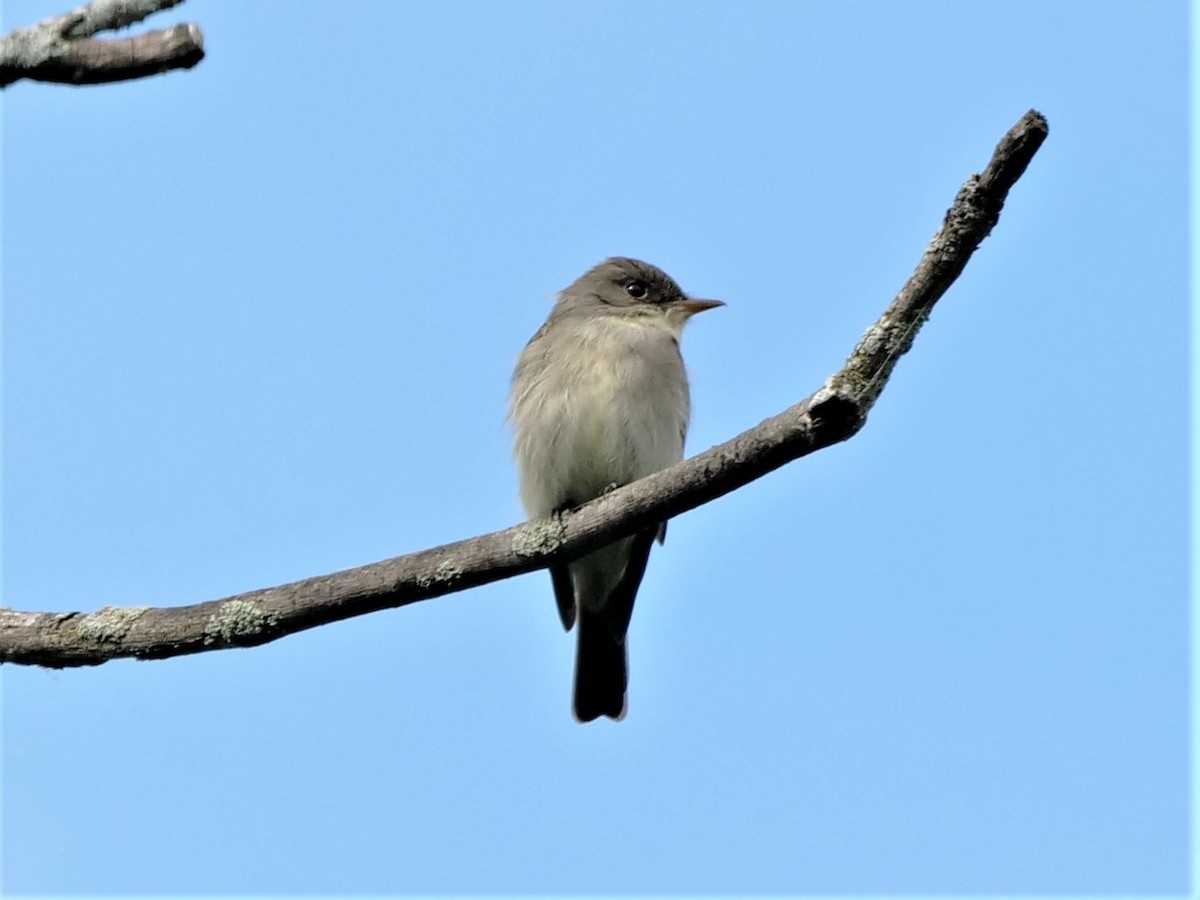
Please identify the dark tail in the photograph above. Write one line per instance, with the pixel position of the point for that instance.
(601, 672)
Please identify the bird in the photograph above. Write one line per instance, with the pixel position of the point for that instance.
(600, 399)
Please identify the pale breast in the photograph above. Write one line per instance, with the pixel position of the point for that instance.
(597, 406)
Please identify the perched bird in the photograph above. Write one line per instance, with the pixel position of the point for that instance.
(600, 399)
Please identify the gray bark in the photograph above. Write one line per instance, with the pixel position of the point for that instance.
(64, 49)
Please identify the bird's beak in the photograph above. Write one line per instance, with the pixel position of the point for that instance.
(691, 306)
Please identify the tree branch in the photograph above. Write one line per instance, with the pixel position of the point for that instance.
(63, 50)
(832, 414)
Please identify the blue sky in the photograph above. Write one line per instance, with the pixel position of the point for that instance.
(258, 324)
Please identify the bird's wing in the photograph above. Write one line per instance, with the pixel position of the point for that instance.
(619, 606)
(564, 594)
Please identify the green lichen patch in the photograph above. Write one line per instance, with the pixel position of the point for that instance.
(110, 624)
(542, 536)
(445, 573)
(237, 619)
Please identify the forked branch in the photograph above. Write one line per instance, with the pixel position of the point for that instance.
(64, 49)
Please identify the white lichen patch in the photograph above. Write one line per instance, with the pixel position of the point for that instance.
(109, 624)
(825, 392)
(445, 573)
(541, 536)
(237, 618)
(875, 339)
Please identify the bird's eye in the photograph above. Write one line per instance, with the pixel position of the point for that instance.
(637, 290)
